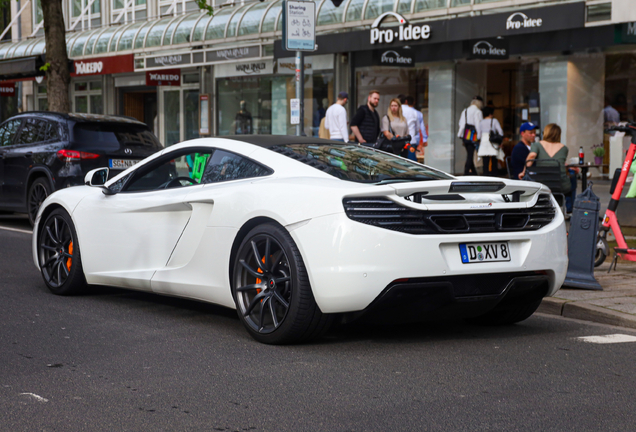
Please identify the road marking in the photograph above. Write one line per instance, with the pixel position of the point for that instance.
(607, 339)
(16, 230)
(36, 397)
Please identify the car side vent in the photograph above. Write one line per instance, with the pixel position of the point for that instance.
(385, 213)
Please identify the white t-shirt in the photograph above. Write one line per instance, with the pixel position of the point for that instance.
(336, 122)
(410, 114)
(471, 115)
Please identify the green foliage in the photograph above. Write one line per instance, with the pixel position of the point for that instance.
(598, 150)
(204, 6)
(45, 67)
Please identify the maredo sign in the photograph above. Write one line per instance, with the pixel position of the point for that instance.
(406, 31)
(104, 65)
(166, 77)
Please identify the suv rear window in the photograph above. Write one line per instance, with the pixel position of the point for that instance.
(110, 136)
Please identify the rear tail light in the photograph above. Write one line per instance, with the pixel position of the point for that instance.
(69, 155)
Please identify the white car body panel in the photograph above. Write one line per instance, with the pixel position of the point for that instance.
(178, 241)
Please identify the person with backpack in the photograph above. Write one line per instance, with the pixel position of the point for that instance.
(365, 124)
(468, 121)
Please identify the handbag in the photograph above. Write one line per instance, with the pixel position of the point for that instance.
(470, 132)
(494, 137)
(396, 145)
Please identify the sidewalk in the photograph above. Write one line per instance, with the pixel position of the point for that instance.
(616, 304)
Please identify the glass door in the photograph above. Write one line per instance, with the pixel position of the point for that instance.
(179, 114)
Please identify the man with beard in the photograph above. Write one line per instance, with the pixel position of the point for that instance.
(365, 124)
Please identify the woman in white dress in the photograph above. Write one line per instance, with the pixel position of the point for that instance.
(487, 151)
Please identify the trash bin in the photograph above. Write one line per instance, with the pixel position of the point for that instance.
(582, 241)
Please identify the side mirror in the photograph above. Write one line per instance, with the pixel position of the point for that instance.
(96, 177)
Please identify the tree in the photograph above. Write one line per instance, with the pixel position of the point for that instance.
(56, 67)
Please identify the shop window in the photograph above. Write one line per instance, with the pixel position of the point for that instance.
(599, 12)
(620, 88)
(87, 97)
(43, 102)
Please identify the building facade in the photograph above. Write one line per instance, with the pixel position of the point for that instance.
(187, 74)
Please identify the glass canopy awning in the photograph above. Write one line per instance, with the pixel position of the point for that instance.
(231, 23)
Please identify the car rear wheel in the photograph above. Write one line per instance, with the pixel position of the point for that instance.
(510, 314)
(59, 255)
(39, 190)
(271, 289)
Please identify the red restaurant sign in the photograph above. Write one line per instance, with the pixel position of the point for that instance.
(165, 77)
(104, 65)
(7, 89)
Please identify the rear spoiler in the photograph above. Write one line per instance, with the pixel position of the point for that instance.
(469, 185)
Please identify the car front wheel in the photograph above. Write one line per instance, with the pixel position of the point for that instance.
(271, 289)
(39, 190)
(59, 255)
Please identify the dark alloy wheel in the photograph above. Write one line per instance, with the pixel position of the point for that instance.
(39, 190)
(59, 255)
(271, 289)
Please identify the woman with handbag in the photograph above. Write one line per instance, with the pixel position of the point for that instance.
(394, 127)
(490, 139)
(468, 121)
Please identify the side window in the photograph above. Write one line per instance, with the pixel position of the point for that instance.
(181, 169)
(8, 131)
(52, 131)
(224, 166)
(33, 131)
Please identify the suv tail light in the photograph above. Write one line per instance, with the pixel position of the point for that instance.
(68, 155)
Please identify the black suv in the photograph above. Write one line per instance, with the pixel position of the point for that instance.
(41, 152)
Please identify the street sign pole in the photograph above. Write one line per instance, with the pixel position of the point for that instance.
(300, 91)
(299, 35)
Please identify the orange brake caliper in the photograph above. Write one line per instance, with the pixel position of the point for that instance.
(258, 290)
(70, 260)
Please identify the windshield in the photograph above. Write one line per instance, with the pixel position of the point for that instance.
(109, 136)
(359, 164)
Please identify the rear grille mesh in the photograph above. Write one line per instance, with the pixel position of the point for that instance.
(384, 213)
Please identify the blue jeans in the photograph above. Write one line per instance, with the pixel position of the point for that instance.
(569, 198)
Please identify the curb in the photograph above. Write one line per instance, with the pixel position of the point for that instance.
(586, 312)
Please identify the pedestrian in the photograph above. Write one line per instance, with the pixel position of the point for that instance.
(610, 115)
(468, 120)
(336, 119)
(394, 124)
(365, 124)
(422, 136)
(488, 151)
(410, 114)
(520, 151)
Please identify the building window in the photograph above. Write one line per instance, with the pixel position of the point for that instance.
(172, 7)
(38, 18)
(92, 14)
(87, 97)
(43, 102)
(599, 12)
(125, 11)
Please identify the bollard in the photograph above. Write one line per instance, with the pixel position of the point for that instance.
(582, 242)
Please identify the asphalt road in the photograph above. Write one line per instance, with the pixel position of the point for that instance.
(116, 360)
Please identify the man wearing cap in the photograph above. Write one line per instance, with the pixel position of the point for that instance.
(520, 152)
(336, 119)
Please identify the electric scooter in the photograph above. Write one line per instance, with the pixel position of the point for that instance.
(610, 221)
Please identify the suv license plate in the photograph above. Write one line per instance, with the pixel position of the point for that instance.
(484, 252)
(121, 163)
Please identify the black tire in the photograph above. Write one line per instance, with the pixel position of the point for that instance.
(38, 191)
(602, 249)
(278, 307)
(510, 314)
(59, 255)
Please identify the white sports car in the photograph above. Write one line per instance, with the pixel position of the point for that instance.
(295, 232)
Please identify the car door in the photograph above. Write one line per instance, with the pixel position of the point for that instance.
(125, 237)
(18, 159)
(8, 133)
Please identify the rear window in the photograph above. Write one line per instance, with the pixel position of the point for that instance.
(110, 136)
(359, 164)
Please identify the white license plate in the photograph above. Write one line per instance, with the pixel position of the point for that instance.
(121, 163)
(484, 252)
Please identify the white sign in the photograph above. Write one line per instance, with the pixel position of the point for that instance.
(82, 68)
(299, 27)
(294, 109)
(520, 20)
(246, 68)
(403, 33)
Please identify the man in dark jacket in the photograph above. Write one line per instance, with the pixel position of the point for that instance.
(520, 152)
(365, 124)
